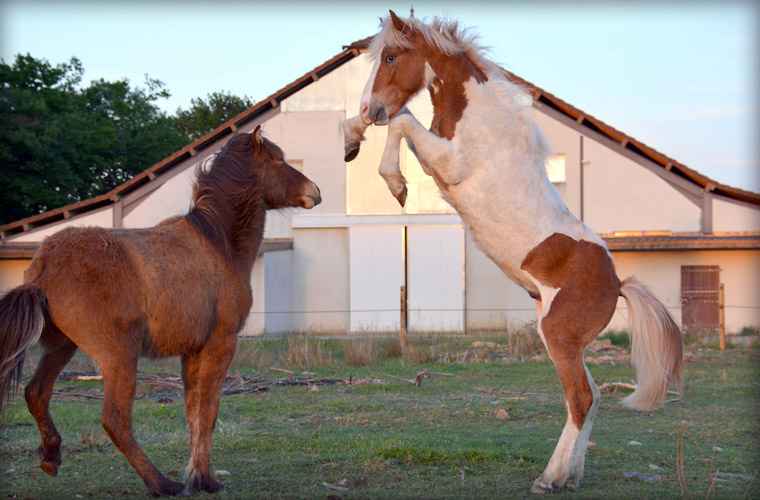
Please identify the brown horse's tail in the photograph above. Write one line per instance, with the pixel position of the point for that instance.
(656, 347)
(22, 318)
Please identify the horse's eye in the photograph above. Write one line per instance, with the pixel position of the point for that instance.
(390, 59)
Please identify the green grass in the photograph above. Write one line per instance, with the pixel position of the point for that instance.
(440, 440)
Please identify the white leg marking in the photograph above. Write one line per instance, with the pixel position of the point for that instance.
(578, 455)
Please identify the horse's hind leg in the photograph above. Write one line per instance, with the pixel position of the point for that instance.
(119, 379)
(203, 376)
(582, 399)
(57, 350)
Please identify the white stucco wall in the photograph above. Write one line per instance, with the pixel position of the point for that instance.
(254, 325)
(320, 281)
(661, 273)
(732, 216)
(102, 217)
(621, 195)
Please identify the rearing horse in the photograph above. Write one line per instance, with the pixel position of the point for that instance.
(487, 157)
(181, 288)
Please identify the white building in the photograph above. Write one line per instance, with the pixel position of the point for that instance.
(339, 267)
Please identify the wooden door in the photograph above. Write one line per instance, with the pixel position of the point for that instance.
(700, 290)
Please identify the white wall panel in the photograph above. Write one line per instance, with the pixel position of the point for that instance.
(376, 275)
(436, 278)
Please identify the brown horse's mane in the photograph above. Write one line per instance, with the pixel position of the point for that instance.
(227, 205)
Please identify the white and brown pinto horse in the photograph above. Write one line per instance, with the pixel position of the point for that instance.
(487, 157)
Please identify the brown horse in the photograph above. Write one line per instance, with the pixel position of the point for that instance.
(181, 288)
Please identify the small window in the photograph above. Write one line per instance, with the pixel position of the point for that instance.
(555, 168)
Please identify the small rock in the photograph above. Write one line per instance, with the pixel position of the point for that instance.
(222, 473)
(502, 414)
(655, 467)
(649, 478)
(634, 443)
(717, 448)
(591, 444)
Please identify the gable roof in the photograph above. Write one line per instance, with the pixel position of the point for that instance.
(584, 121)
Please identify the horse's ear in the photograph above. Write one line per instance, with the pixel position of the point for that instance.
(397, 23)
(257, 137)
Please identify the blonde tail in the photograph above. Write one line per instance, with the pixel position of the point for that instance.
(656, 347)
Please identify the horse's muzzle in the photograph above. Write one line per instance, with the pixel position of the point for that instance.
(312, 196)
(376, 114)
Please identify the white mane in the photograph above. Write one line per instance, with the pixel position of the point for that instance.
(444, 34)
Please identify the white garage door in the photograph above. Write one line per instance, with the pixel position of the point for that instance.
(376, 274)
(435, 278)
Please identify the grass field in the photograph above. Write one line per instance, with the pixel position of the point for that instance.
(482, 426)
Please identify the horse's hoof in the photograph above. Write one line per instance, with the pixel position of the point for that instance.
(170, 489)
(212, 486)
(352, 150)
(50, 467)
(401, 197)
(50, 457)
(540, 488)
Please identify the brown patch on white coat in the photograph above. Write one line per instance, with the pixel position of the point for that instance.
(587, 291)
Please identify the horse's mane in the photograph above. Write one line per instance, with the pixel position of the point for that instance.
(452, 39)
(444, 34)
(226, 202)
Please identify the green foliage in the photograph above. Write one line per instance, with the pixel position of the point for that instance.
(618, 338)
(60, 144)
(205, 115)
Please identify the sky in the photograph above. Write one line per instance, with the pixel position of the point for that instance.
(679, 76)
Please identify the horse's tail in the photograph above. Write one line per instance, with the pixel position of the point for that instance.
(656, 347)
(22, 318)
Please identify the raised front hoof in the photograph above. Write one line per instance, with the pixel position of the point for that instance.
(352, 150)
(401, 197)
(169, 489)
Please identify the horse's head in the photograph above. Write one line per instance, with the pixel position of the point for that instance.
(283, 185)
(401, 70)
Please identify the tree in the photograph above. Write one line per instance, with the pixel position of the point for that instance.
(205, 115)
(60, 144)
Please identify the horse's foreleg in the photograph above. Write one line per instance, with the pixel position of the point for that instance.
(39, 390)
(190, 369)
(212, 363)
(389, 169)
(353, 135)
(119, 378)
(434, 153)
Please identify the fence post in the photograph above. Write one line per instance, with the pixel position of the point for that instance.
(402, 330)
(722, 309)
